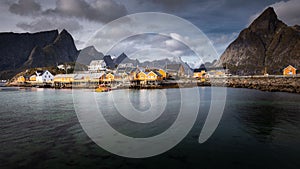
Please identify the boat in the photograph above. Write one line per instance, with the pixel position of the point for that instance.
(102, 89)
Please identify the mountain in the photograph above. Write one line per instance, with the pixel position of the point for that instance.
(88, 54)
(19, 51)
(123, 59)
(15, 49)
(267, 44)
(61, 50)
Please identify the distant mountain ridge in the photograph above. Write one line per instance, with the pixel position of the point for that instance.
(21, 51)
(267, 44)
(124, 59)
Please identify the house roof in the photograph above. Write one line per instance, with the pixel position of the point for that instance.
(121, 70)
(201, 68)
(41, 72)
(96, 75)
(157, 73)
(290, 66)
(96, 62)
(64, 76)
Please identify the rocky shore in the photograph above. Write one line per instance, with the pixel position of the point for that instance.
(266, 83)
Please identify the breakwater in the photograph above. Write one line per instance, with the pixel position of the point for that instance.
(265, 83)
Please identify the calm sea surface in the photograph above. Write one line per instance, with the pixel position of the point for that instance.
(39, 129)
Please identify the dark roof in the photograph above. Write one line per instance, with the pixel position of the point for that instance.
(201, 68)
(40, 71)
(157, 73)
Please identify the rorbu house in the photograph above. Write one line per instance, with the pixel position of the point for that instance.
(32, 78)
(145, 77)
(154, 76)
(64, 78)
(162, 73)
(200, 72)
(109, 78)
(21, 79)
(216, 72)
(289, 70)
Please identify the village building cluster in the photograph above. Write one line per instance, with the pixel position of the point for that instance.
(126, 75)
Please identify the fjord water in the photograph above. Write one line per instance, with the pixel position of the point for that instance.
(39, 129)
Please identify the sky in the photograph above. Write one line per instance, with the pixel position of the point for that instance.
(219, 21)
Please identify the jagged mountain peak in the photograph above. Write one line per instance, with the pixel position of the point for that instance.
(64, 35)
(267, 21)
(88, 54)
(266, 46)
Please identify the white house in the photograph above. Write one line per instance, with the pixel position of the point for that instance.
(64, 67)
(44, 76)
(124, 65)
(97, 65)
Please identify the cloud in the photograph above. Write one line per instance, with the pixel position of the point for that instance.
(170, 4)
(44, 23)
(25, 7)
(287, 11)
(99, 10)
(221, 41)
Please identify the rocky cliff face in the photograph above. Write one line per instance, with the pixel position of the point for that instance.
(61, 50)
(19, 51)
(16, 47)
(267, 44)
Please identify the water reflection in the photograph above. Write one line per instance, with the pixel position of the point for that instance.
(258, 130)
(266, 116)
(140, 100)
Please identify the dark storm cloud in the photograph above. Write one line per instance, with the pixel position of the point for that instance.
(25, 7)
(210, 16)
(44, 23)
(170, 4)
(99, 10)
(288, 11)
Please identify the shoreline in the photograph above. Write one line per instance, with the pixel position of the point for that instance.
(290, 84)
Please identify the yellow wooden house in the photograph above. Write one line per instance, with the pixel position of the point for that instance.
(154, 76)
(151, 76)
(200, 73)
(21, 79)
(289, 70)
(141, 76)
(109, 77)
(64, 78)
(163, 73)
(32, 78)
